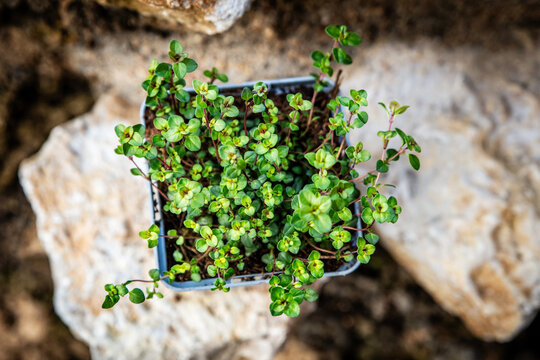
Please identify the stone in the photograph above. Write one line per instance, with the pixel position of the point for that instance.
(471, 215)
(89, 210)
(208, 16)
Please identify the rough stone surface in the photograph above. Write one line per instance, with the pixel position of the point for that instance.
(88, 216)
(471, 216)
(208, 16)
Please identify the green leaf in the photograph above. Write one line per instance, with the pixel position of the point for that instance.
(333, 31)
(414, 161)
(292, 309)
(277, 308)
(314, 255)
(201, 245)
(193, 143)
(163, 70)
(401, 109)
(109, 302)
(379, 216)
(246, 94)
(135, 171)
(363, 258)
(176, 47)
(322, 223)
(212, 270)
(353, 39)
(367, 216)
(119, 129)
(161, 124)
(384, 107)
(158, 141)
(381, 166)
(180, 70)
(222, 77)
(191, 65)
(317, 55)
(372, 238)
(219, 125)
(154, 274)
(136, 296)
(341, 56)
(403, 136)
(361, 119)
(258, 108)
(122, 289)
(310, 295)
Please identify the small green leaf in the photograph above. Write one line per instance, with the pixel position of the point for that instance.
(367, 216)
(201, 245)
(310, 295)
(222, 77)
(122, 289)
(414, 161)
(176, 47)
(154, 274)
(333, 31)
(341, 56)
(163, 70)
(372, 238)
(135, 171)
(317, 55)
(353, 39)
(191, 65)
(193, 142)
(109, 302)
(136, 296)
(180, 70)
(292, 309)
(381, 166)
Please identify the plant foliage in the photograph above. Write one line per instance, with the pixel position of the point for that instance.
(244, 183)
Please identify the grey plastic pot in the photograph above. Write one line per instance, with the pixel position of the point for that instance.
(278, 86)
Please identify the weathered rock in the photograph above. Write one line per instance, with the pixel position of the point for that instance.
(208, 16)
(471, 216)
(89, 210)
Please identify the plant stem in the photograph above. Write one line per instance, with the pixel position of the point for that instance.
(314, 97)
(147, 178)
(401, 151)
(210, 131)
(356, 229)
(341, 147)
(148, 281)
(385, 145)
(245, 118)
(320, 249)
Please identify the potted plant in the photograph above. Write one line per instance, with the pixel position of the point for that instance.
(256, 182)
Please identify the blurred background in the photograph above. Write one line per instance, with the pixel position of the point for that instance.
(61, 57)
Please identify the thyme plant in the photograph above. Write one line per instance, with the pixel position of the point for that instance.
(254, 182)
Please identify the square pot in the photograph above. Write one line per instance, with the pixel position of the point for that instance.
(278, 86)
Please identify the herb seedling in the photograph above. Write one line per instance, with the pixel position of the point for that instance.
(251, 179)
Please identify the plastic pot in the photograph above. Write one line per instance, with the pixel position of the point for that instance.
(278, 86)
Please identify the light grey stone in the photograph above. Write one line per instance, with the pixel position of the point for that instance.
(470, 223)
(89, 210)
